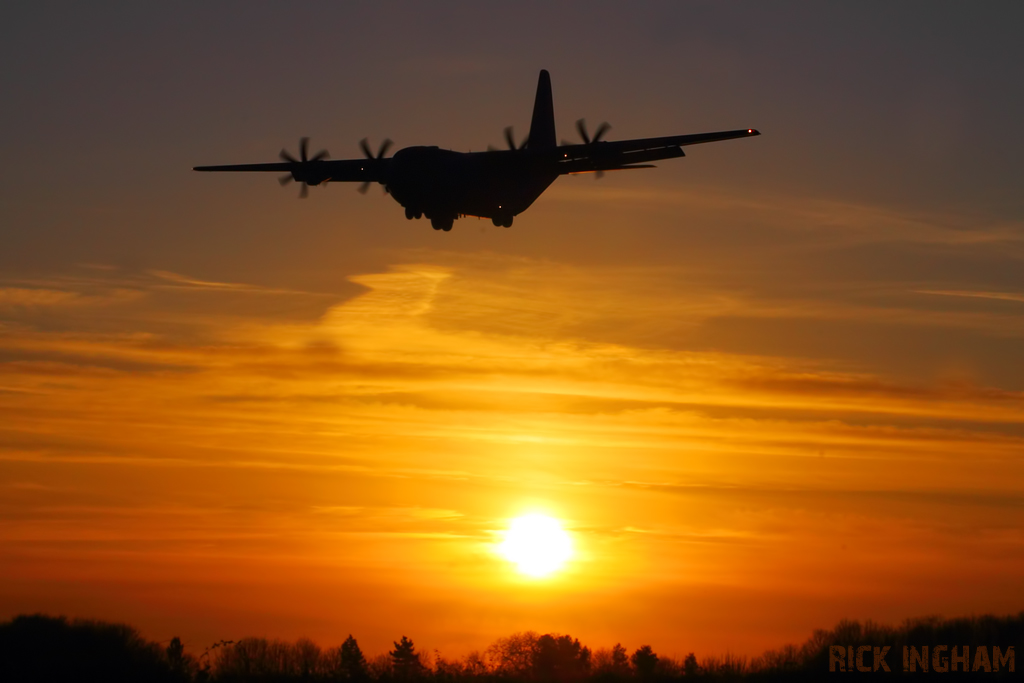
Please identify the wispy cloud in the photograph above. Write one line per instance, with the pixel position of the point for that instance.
(839, 223)
(186, 282)
(999, 296)
(63, 294)
(20, 296)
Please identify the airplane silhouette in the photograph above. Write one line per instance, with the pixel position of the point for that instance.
(498, 184)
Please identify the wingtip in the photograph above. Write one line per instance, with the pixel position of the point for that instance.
(753, 131)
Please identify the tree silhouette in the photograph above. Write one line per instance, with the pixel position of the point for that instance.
(620, 660)
(405, 661)
(40, 648)
(690, 666)
(474, 664)
(610, 664)
(560, 658)
(352, 661)
(644, 662)
(308, 658)
(513, 656)
(183, 666)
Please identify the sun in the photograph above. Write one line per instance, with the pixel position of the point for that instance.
(537, 544)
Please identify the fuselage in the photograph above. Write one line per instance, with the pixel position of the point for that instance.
(494, 184)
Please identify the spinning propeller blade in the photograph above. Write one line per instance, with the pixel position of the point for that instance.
(510, 138)
(302, 168)
(364, 145)
(581, 128)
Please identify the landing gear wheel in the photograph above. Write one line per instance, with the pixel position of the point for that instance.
(442, 223)
(409, 214)
(502, 221)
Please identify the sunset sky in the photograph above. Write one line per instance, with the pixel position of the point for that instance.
(769, 386)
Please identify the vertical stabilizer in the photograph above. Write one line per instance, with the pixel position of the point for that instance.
(542, 128)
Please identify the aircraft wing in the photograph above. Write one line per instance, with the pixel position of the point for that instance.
(314, 172)
(625, 154)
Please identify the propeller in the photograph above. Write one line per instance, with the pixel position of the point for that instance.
(364, 144)
(581, 127)
(510, 138)
(303, 159)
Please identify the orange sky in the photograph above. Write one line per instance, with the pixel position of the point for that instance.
(225, 473)
(763, 387)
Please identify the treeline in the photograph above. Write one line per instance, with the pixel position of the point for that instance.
(40, 649)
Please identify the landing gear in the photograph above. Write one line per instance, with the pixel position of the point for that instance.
(442, 223)
(502, 221)
(412, 213)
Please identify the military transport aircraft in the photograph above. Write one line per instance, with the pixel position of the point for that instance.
(498, 184)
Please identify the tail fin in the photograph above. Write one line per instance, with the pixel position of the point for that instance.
(542, 128)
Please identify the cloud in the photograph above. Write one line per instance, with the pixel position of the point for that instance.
(185, 282)
(430, 338)
(803, 213)
(464, 372)
(61, 294)
(999, 296)
(20, 296)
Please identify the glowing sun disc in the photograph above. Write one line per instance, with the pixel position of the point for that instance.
(537, 544)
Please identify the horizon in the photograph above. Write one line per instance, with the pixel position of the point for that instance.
(928, 629)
